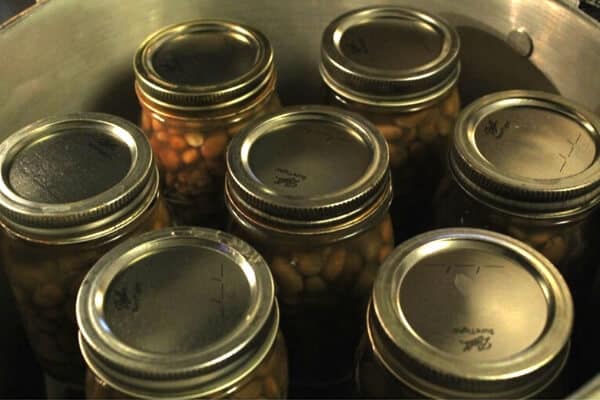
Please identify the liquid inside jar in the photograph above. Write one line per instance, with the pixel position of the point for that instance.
(45, 280)
(417, 142)
(191, 158)
(191, 111)
(323, 292)
(407, 87)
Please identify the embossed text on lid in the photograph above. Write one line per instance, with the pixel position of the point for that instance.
(156, 307)
(203, 64)
(471, 312)
(467, 285)
(177, 312)
(308, 165)
(308, 168)
(528, 151)
(209, 57)
(75, 177)
(69, 166)
(390, 56)
(391, 44)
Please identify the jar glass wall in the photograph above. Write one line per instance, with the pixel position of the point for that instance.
(229, 346)
(318, 212)
(448, 344)
(54, 231)
(323, 292)
(45, 280)
(268, 381)
(372, 379)
(409, 92)
(191, 113)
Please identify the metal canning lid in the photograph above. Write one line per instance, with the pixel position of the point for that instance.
(390, 56)
(75, 177)
(204, 64)
(177, 313)
(308, 169)
(528, 152)
(469, 313)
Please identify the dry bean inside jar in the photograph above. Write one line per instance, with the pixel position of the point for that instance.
(198, 84)
(182, 313)
(466, 313)
(310, 188)
(71, 187)
(399, 68)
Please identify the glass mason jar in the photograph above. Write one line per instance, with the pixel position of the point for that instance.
(407, 87)
(466, 313)
(309, 188)
(587, 359)
(198, 84)
(526, 164)
(591, 390)
(182, 313)
(71, 188)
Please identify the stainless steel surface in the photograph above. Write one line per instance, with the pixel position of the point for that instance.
(360, 62)
(83, 50)
(471, 313)
(520, 41)
(73, 177)
(179, 312)
(528, 151)
(203, 64)
(312, 168)
(68, 55)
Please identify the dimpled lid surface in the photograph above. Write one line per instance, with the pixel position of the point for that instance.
(177, 311)
(203, 64)
(75, 176)
(527, 151)
(390, 56)
(308, 164)
(469, 313)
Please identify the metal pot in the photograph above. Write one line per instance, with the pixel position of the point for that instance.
(71, 55)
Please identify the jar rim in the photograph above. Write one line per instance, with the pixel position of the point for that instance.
(284, 194)
(222, 92)
(229, 114)
(92, 216)
(203, 367)
(407, 87)
(440, 369)
(503, 181)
